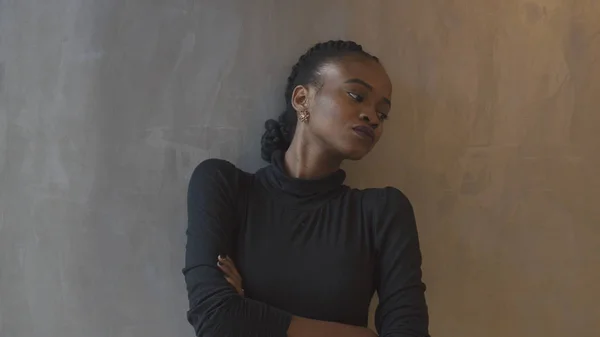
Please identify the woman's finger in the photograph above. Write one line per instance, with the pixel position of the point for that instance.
(225, 268)
(238, 287)
(236, 283)
(227, 265)
(233, 282)
(227, 258)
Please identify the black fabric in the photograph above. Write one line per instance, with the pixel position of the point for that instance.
(311, 248)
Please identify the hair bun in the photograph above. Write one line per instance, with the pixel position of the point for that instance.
(271, 125)
(272, 140)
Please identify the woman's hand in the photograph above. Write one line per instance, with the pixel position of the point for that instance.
(231, 273)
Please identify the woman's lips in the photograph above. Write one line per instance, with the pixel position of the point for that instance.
(365, 131)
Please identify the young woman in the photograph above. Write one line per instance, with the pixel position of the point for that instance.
(309, 252)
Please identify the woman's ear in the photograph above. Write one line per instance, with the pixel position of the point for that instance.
(300, 98)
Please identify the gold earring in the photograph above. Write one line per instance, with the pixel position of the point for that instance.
(304, 116)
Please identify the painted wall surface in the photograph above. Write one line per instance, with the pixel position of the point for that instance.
(495, 137)
(107, 106)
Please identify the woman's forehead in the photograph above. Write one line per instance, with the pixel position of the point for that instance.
(366, 70)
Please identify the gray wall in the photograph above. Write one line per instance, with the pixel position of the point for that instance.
(106, 106)
(105, 109)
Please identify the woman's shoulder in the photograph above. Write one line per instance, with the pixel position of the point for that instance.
(388, 210)
(382, 195)
(384, 200)
(218, 171)
(215, 165)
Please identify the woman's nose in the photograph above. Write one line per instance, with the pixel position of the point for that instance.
(364, 117)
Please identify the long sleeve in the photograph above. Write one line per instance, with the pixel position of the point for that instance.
(402, 310)
(215, 309)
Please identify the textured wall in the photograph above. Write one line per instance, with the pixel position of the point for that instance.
(106, 106)
(495, 136)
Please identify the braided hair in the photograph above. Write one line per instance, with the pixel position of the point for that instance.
(279, 133)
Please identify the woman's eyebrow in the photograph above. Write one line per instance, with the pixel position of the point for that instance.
(359, 81)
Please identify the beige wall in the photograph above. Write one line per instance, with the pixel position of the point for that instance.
(495, 137)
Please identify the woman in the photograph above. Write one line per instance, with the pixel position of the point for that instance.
(311, 250)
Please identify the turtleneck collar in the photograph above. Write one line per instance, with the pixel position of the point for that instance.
(303, 190)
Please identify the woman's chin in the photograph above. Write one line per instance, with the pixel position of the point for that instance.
(357, 153)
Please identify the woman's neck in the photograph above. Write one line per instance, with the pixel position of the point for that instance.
(309, 161)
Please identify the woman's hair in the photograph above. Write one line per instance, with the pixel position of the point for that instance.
(279, 133)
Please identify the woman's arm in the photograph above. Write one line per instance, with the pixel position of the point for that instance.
(402, 310)
(299, 326)
(216, 309)
(304, 327)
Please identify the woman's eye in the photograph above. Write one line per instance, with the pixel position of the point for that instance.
(382, 116)
(356, 97)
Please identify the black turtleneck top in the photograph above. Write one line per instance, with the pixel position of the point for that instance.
(310, 248)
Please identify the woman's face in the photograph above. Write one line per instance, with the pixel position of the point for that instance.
(348, 108)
